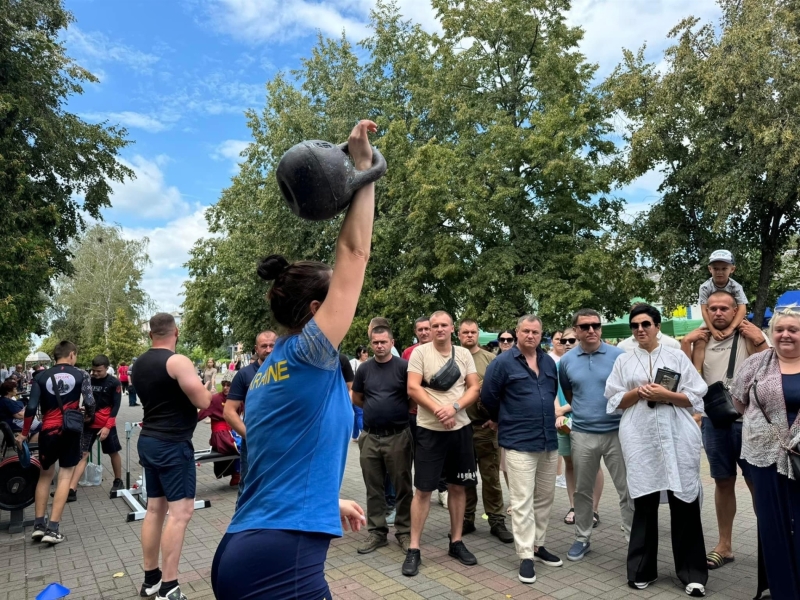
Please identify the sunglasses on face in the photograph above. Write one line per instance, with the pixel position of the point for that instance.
(569, 340)
(506, 340)
(588, 326)
(642, 325)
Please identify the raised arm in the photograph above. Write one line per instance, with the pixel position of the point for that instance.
(182, 370)
(336, 313)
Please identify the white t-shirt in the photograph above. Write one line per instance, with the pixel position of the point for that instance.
(426, 361)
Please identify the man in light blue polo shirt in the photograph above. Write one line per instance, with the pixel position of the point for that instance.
(595, 434)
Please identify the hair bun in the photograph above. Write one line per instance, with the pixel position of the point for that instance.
(272, 266)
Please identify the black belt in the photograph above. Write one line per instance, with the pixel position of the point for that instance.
(385, 431)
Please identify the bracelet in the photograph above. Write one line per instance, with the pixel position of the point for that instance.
(763, 341)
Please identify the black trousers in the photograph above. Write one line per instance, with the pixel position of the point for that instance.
(688, 544)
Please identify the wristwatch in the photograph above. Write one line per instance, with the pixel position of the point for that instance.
(456, 406)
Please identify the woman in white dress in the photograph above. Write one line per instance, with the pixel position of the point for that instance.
(661, 444)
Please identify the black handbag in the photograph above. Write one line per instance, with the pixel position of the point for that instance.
(73, 419)
(446, 377)
(794, 453)
(718, 403)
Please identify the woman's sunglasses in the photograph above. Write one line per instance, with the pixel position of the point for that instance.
(642, 325)
(506, 340)
(568, 340)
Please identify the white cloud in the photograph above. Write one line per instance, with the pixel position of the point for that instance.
(94, 48)
(269, 20)
(231, 150)
(129, 119)
(611, 25)
(148, 196)
(169, 250)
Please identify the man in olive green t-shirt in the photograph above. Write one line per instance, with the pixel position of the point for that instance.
(487, 451)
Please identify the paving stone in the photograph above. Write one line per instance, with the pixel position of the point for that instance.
(100, 542)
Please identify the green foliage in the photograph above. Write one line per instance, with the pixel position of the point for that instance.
(124, 338)
(15, 350)
(54, 167)
(105, 283)
(496, 200)
(720, 121)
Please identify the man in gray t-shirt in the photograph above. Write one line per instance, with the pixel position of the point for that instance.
(723, 446)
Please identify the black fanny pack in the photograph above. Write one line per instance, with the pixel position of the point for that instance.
(446, 377)
(718, 403)
(73, 419)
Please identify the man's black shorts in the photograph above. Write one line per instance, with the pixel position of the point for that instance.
(448, 450)
(169, 468)
(56, 445)
(110, 445)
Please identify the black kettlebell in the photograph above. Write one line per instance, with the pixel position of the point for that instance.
(318, 180)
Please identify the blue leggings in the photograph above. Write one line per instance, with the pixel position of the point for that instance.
(271, 564)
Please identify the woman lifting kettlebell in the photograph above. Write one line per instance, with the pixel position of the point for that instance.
(299, 419)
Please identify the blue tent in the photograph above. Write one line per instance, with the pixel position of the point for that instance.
(788, 299)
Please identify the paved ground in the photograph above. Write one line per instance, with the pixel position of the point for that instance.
(100, 543)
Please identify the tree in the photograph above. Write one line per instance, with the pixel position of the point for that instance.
(106, 279)
(54, 167)
(496, 202)
(125, 339)
(720, 122)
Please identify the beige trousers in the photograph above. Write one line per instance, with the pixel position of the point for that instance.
(532, 488)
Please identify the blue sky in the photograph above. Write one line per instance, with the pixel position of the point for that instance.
(179, 74)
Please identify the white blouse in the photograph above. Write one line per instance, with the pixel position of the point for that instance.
(661, 445)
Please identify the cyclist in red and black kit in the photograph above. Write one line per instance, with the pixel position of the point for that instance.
(55, 444)
(107, 392)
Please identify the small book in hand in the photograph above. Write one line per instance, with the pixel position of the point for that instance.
(668, 379)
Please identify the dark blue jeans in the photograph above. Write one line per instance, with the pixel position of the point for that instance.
(131, 396)
(389, 492)
(358, 421)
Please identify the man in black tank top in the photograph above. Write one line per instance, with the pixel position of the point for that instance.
(171, 393)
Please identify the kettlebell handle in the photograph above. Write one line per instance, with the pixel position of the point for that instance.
(362, 178)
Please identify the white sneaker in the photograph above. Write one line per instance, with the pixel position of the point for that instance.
(561, 481)
(443, 498)
(696, 590)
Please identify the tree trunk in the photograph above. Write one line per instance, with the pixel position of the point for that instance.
(769, 250)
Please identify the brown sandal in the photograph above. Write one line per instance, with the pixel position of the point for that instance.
(567, 520)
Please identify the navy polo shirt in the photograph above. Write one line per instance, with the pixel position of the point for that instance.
(522, 403)
(585, 374)
(241, 382)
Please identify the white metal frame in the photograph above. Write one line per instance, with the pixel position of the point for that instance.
(133, 495)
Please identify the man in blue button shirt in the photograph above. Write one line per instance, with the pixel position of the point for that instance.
(519, 391)
(594, 434)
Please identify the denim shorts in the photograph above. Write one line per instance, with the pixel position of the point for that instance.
(724, 450)
(169, 468)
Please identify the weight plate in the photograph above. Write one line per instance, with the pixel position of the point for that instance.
(17, 484)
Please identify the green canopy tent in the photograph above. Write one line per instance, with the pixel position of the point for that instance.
(680, 327)
(484, 337)
(617, 330)
(620, 329)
